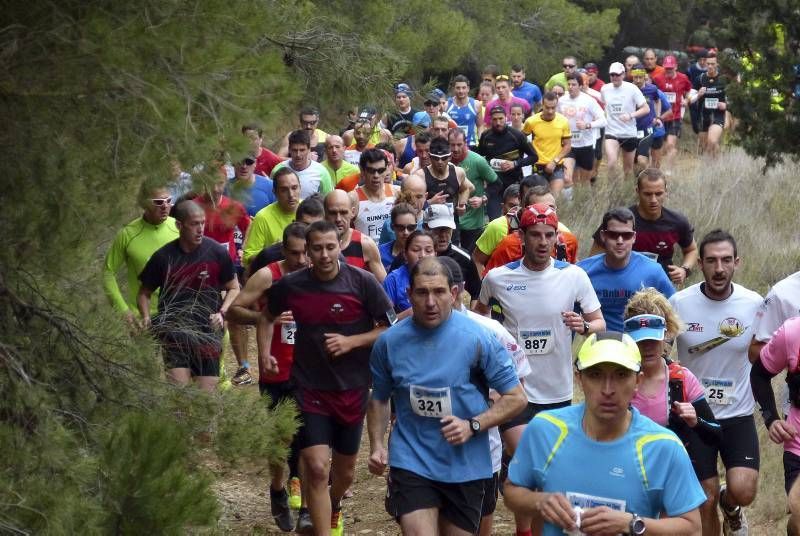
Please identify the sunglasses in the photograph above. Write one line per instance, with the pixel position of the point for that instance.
(568, 65)
(248, 161)
(410, 228)
(616, 74)
(309, 123)
(615, 235)
(161, 201)
(501, 77)
(644, 321)
(441, 157)
(375, 171)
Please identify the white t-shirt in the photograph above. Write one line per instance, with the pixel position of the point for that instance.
(781, 303)
(312, 179)
(532, 303)
(621, 100)
(583, 108)
(520, 364)
(714, 346)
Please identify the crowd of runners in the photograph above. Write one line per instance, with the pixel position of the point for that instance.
(411, 271)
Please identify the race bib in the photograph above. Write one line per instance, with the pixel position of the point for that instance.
(288, 330)
(719, 390)
(711, 104)
(591, 501)
(670, 97)
(640, 134)
(615, 108)
(576, 136)
(536, 342)
(430, 402)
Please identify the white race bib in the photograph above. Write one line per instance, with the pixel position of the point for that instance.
(288, 330)
(711, 104)
(640, 134)
(591, 501)
(536, 342)
(719, 390)
(430, 402)
(671, 98)
(577, 135)
(615, 107)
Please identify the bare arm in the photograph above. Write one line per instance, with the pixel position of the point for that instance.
(264, 329)
(377, 422)
(595, 320)
(604, 520)
(143, 302)
(372, 257)
(481, 308)
(338, 345)
(480, 259)
(241, 310)
(283, 150)
(690, 256)
(754, 350)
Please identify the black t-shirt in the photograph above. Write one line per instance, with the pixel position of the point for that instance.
(190, 286)
(398, 119)
(472, 280)
(660, 236)
(715, 89)
(267, 256)
(510, 144)
(349, 304)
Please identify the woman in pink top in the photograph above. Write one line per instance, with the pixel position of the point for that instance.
(668, 393)
(782, 352)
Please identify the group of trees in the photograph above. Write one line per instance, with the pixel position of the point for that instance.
(97, 96)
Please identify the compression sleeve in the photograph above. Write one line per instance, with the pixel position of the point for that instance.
(707, 427)
(761, 384)
(529, 157)
(115, 258)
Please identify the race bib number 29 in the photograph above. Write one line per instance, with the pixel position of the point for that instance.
(430, 402)
(288, 330)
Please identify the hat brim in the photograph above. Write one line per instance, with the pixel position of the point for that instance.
(440, 222)
(647, 334)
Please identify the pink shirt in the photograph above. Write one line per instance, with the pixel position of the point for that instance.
(655, 406)
(780, 353)
(487, 116)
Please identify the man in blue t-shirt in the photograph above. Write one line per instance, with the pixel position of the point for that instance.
(646, 123)
(438, 368)
(600, 466)
(619, 272)
(525, 90)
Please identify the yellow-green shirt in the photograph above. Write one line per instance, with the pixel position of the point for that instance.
(344, 170)
(265, 229)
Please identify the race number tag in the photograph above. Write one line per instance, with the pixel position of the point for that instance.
(671, 98)
(430, 402)
(615, 107)
(576, 136)
(719, 390)
(711, 104)
(536, 342)
(288, 330)
(591, 501)
(640, 134)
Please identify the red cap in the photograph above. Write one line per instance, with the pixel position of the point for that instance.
(538, 213)
(670, 62)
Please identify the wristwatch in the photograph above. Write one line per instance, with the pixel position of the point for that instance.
(687, 270)
(585, 325)
(636, 527)
(475, 426)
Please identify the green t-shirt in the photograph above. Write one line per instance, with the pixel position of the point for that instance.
(265, 229)
(494, 233)
(558, 78)
(133, 246)
(344, 170)
(479, 172)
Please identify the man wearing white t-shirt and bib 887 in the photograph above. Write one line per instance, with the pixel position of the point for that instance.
(538, 296)
(719, 315)
(624, 103)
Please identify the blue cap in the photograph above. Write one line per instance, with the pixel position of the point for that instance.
(402, 88)
(435, 96)
(646, 327)
(421, 119)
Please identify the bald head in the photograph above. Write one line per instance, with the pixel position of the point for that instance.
(334, 148)
(414, 191)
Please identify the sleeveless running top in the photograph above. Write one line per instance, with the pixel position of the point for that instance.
(282, 347)
(408, 153)
(449, 185)
(354, 253)
(372, 214)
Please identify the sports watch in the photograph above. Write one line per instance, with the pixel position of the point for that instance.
(687, 270)
(586, 325)
(475, 426)
(636, 527)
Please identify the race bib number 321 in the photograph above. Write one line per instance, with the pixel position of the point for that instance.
(430, 402)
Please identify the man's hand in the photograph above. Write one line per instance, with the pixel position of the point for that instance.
(377, 461)
(216, 320)
(676, 274)
(550, 167)
(268, 364)
(285, 318)
(556, 509)
(145, 323)
(460, 210)
(475, 202)
(780, 431)
(603, 521)
(573, 321)
(455, 431)
(337, 344)
(439, 198)
(685, 411)
(506, 165)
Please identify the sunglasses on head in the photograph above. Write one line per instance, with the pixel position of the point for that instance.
(615, 235)
(410, 228)
(501, 77)
(161, 201)
(441, 157)
(649, 321)
(375, 171)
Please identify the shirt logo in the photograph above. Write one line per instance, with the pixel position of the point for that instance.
(694, 326)
(511, 287)
(618, 472)
(731, 327)
(337, 308)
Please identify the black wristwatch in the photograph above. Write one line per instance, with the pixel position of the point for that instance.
(585, 323)
(636, 527)
(475, 426)
(685, 269)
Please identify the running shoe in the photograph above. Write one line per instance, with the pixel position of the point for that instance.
(281, 513)
(337, 523)
(242, 377)
(304, 524)
(734, 522)
(294, 493)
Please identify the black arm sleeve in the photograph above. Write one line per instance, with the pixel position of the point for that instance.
(707, 429)
(529, 156)
(761, 384)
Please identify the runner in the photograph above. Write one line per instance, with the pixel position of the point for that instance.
(504, 99)
(650, 63)
(677, 88)
(266, 160)
(624, 103)
(314, 178)
(273, 379)
(374, 198)
(633, 476)
(525, 90)
(719, 317)
(464, 110)
(544, 332)
(569, 64)
(335, 162)
(404, 114)
(414, 192)
(418, 246)
(268, 224)
(339, 311)
(403, 221)
(552, 142)
(309, 120)
(252, 190)
(617, 274)
(781, 303)
(712, 102)
(647, 122)
(584, 115)
(191, 272)
(357, 249)
(135, 243)
(782, 353)
(438, 453)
